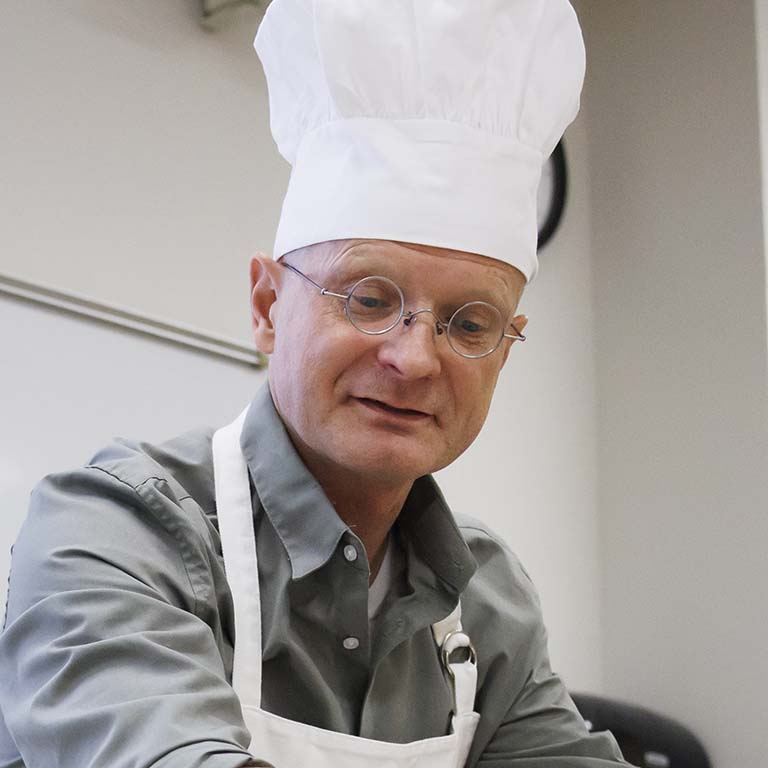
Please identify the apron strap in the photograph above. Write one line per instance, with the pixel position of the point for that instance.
(235, 517)
(451, 623)
(449, 637)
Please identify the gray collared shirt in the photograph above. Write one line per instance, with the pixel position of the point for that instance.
(118, 639)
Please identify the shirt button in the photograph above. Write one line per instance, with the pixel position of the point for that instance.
(350, 553)
(351, 643)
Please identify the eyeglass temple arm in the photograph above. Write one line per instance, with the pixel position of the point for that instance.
(517, 336)
(323, 291)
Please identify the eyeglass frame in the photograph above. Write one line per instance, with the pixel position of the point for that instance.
(407, 316)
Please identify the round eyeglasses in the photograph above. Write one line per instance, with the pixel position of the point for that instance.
(375, 305)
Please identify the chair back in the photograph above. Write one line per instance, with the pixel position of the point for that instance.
(647, 739)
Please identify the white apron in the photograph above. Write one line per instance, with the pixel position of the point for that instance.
(287, 743)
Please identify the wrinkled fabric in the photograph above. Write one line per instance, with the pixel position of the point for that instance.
(118, 641)
(423, 121)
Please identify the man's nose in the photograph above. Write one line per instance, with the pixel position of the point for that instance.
(412, 347)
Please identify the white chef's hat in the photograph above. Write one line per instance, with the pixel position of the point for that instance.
(424, 121)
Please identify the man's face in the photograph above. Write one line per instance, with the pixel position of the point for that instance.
(386, 408)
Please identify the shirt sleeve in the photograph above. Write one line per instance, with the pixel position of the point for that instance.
(106, 659)
(543, 726)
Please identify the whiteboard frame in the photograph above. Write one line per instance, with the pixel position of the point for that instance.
(111, 314)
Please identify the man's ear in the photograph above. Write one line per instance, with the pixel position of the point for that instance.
(264, 287)
(519, 322)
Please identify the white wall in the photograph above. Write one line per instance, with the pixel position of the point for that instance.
(137, 163)
(680, 302)
(74, 385)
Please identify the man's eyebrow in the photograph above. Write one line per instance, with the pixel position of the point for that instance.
(489, 297)
(362, 260)
(496, 294)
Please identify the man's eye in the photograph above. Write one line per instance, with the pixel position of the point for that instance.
(370, 302)
(469, 327)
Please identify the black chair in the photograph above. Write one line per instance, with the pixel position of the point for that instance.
(647, 739)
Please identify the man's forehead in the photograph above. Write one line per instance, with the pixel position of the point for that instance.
(493, 273)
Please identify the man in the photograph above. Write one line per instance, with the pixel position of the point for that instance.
(293, 589)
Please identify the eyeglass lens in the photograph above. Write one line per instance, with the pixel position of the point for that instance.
(375, 305)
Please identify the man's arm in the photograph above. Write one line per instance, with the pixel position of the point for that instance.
(106, 658)
(543, 726)
(528, 719)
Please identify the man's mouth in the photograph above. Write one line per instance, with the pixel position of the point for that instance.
(382, 407)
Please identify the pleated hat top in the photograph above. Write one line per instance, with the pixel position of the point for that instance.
(423, 121)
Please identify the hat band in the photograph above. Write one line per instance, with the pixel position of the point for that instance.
(431, 182)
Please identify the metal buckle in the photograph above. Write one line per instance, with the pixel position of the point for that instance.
(445, 655)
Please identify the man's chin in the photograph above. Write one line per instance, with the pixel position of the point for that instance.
(387, 464)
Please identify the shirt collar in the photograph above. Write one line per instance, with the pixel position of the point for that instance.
(293, 500)
(427, 523)
(306, 521)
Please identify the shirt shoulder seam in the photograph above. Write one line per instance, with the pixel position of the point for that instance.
(485, 532)
(183, 549)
